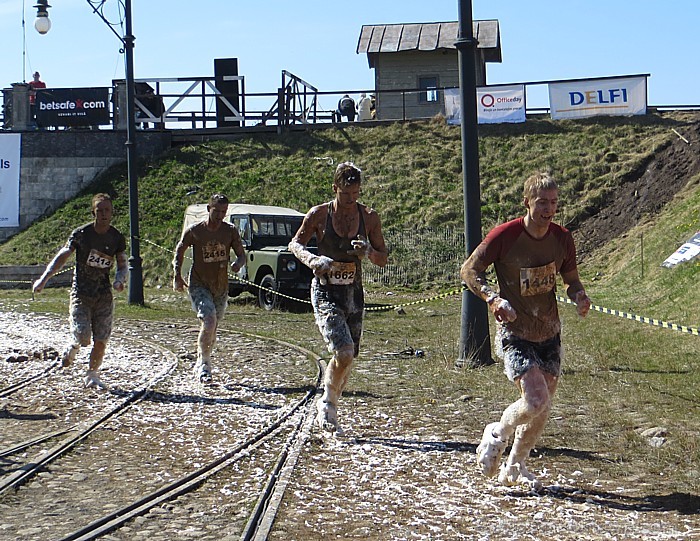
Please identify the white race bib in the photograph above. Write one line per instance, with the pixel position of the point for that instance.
(214, 252)
(99, 260)
(341, 274)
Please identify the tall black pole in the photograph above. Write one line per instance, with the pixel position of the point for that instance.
(474, 340)
(135, 269)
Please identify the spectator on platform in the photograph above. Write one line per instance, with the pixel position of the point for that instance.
(364, 108)
(346, 108)
(35, 83)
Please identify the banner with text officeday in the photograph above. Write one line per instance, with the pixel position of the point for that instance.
(494, 104)
(10, 144)
(595, 97)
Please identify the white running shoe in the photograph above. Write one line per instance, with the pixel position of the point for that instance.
(327, 418)
(513, 474)
(69, 355)
(93, 382)
(202, 372)
(490, 450)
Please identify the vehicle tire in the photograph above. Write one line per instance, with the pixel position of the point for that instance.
(267, 299)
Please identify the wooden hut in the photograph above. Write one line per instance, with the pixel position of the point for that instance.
(413, 62)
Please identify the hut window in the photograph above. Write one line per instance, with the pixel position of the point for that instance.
(428, 89)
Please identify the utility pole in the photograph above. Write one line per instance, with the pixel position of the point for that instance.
(474, 340)
(135, 294)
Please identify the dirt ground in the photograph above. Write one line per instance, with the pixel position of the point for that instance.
(401, 472)
(644, 193)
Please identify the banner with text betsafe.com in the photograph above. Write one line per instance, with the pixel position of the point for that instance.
(494, 104)
(10, 144)
(72, 107)
(595, 97)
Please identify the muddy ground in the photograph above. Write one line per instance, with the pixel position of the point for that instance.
(645, 192)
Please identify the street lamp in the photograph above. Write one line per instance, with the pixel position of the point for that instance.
(43, 25)
(474, 342)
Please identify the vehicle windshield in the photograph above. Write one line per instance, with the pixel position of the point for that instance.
(276, 226)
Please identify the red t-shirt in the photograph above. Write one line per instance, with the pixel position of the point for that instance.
(33, 85)
(526, 270)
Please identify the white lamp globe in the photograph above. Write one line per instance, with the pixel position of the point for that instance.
(42, 25)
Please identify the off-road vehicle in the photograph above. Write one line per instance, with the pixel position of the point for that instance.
(265, 232)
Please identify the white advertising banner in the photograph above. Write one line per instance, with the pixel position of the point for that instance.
(500, 104)
(453, 110)
(9, 179)
(493, 104)
(580, 99)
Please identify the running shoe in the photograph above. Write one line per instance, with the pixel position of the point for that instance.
(93, 382)
(69, 355)
(490, 450)
(202, 372)
(327, 418)
(513, 474)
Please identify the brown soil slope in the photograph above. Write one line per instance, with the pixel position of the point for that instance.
(644, 193)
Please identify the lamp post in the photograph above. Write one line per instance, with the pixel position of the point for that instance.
(43, 25)
(474, 341)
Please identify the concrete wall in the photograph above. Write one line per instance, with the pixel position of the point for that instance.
(57, 165)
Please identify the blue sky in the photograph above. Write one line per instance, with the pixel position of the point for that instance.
(317, 40)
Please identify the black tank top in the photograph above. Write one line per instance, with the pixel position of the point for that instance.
(336, 247)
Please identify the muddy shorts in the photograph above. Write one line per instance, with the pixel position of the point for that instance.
(520, 355)
(91, 316)
(339, 311)
(205, 304)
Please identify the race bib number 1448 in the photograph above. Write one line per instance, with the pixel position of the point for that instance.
(538, 280)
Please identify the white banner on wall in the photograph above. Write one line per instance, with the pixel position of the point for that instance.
(493, 104)
(453, 111)
(580, 99)
(500, 104)
(10, 144)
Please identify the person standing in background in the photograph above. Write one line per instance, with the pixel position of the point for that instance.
(364, 108)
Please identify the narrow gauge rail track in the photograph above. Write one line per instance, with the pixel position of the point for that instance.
(167, 443)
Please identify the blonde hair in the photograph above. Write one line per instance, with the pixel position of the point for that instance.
(98, 198)
(537, 182)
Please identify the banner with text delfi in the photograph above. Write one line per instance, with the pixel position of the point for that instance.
(493, 104)
(10, 144)
(595, 97)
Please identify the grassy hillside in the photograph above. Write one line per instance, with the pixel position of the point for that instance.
(412, 175)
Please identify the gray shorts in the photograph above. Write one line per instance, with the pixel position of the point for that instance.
(205, 304)
(339, 311)
(91, 316)
(520, 355)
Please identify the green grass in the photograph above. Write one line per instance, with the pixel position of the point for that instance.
(412, 175)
